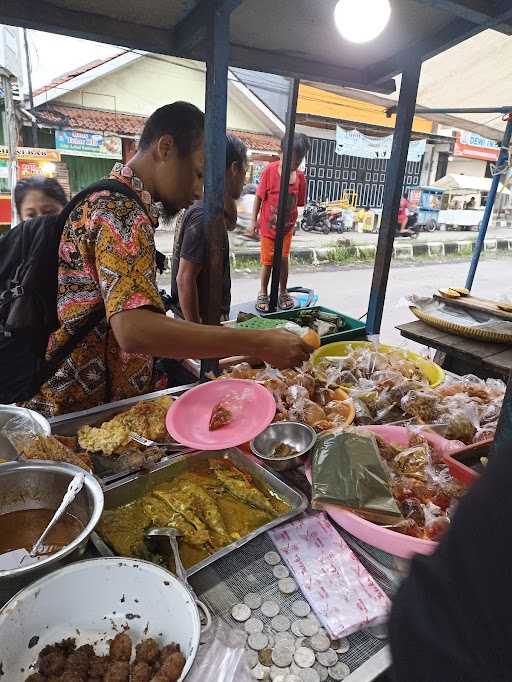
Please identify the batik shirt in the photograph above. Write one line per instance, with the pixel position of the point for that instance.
(106, 261)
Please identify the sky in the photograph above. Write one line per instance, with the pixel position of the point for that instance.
(53, 55)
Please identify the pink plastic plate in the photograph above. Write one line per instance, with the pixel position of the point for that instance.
(388, 540)
(252, 406)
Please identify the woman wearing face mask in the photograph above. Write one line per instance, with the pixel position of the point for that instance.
(37, 195)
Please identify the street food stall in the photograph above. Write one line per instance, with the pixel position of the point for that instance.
(261, 604)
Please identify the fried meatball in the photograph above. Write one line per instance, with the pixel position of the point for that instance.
(172, 667)
(118, 671)
(141, 672)
(98, 667)
(121, 647)
(167, 650)
(36, 677)
(147, 651)
(52, 664)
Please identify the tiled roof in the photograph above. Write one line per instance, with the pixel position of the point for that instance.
(59, 115)
(65, 77)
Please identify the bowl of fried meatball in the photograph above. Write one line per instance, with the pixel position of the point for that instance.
(102, 620)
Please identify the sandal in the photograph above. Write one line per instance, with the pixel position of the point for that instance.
(286, 302)
(262, 303)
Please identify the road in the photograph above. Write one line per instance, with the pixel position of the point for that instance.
(347, 290)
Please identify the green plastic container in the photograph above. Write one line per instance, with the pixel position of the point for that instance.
(355, 329)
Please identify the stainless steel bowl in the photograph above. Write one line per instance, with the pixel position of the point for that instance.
(298, 436)
(41, 485)
(39, 423)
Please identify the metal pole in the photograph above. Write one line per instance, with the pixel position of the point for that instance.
(215, 163)
(282, 211)
(479, 243)
(392, 195)
(12, 139)
(35, 132)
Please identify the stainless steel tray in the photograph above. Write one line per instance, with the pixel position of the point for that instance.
(70, 424)
(129, 489)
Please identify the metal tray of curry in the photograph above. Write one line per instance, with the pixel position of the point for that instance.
(219, 500)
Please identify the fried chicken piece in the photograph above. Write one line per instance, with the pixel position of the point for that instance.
(36, 677)
(220, 417)
(147, 651)
(136, 458)
(78, 665)
(52, 664)
(98, 667)
(86, 650)
(172, 667)
(168, 650)
(121, 647)
(48, 447)
(70, 442)
(141, 672)
(118, 671)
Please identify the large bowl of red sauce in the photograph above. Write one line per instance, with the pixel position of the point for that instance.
(30, 493)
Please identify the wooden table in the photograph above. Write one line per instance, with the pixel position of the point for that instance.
(460, 355)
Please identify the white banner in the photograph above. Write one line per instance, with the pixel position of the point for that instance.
(354, 143)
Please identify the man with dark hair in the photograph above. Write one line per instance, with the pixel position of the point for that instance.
(107, 271)
(264, 217)
(189, 275)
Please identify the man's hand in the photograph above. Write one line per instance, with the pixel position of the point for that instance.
(283, 349)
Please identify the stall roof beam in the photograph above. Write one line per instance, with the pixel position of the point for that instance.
(191, 31)
(476, 11)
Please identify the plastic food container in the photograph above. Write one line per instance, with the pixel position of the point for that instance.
(355, 329)
(388, 540)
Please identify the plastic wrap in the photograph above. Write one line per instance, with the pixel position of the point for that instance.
(347, 470)
(21, 431)
(221, 657)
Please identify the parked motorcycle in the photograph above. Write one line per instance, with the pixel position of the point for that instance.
(315, 218)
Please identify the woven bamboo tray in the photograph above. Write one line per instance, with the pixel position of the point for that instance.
(484, 335)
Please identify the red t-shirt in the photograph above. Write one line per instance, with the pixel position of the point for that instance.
(268, 192)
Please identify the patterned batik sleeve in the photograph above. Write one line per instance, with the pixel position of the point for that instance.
(125, 259)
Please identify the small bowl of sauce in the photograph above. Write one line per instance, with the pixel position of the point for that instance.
(19, 530)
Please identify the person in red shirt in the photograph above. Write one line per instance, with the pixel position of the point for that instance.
(264, 219)
(403, 216)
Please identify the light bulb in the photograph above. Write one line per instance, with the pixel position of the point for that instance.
(361, 20)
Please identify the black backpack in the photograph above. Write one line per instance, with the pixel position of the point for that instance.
(29, 256)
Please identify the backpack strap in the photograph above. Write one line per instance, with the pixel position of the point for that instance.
(63, 353)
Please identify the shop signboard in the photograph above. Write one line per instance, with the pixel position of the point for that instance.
(31, 154)
(354, 143)
(81, 143)
(473, 146)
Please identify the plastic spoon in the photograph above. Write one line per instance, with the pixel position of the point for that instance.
(73, 489)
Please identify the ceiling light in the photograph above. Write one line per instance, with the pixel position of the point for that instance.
(361, 20)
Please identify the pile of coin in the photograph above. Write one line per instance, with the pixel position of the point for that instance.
(287, 649)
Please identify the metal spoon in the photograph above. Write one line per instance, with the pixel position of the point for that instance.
(171, 533)
(73, 489)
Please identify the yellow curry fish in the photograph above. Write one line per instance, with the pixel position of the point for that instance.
(237, 484)
(161, 514)
(182, 504)
(207, 510)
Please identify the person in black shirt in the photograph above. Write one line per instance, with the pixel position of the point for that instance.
(191, 241)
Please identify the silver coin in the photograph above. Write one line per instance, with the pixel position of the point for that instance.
(280, 571)
(253, 625)
(260, 672)
(258, 641)
(309, 675)
(341, 645)
(296, 628)
(301, 608)
(253, 600)
(252, 658)
(308, 626)
(301, 641)
(272, 558)
(280, 623)
(304, 657)
(379, 631)
(270, 608)
(284, 638)
(282, 655)
(271, 640)
(320, 642)
(287, 585)
(278, 674)
(339, 671)
(292, 678)
(322, 671)
(327, 658)
(241, 612)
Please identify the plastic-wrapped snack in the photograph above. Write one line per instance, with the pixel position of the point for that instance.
(296, 393)
(363, 415)
(306, 411)
(242, 371)
(323, 395)
(462, 424)
(487, 432)
(491, 412)
(412, 462)
(422, 404)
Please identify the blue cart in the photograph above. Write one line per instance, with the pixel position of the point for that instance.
(426, 201)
